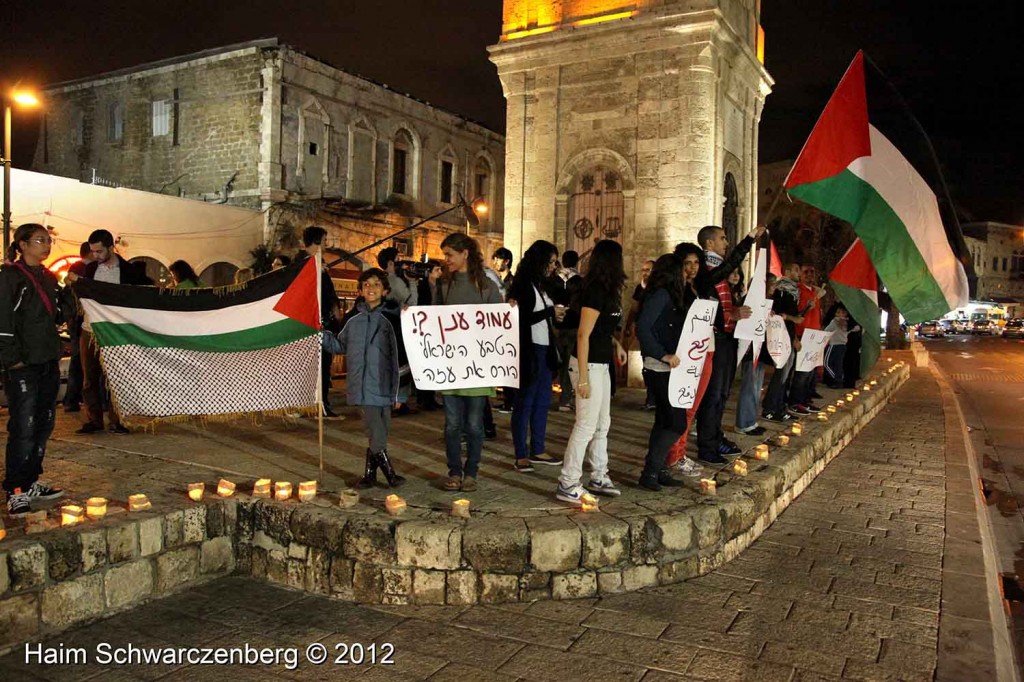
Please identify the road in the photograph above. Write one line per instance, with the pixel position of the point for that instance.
(988, 376)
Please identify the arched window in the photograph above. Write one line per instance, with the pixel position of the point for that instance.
(730, 209)
(361, 162)
(218, 275)
(155, 270)
(482, 185)
(402, 158)
(595, 209)
(447, 172)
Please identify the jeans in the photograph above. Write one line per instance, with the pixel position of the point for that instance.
(669, 423)
(463, 414)
(530, 410)
(31, 404)
(94, 388)
(709, 414)
(750, 395)
(775, 397)
(834, 359)
(376, 424)
(589, 437)
(800, 388)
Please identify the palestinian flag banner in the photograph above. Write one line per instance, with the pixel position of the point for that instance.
(856, 284)
(869, 163)
(251, 348)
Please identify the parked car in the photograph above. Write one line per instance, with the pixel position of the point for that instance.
(931, 329)
(1014, 329)
(985, 327)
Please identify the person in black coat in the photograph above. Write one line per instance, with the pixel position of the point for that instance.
(538, 354)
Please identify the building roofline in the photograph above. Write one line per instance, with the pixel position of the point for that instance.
(170, 61)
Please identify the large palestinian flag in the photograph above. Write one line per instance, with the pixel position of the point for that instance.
(253, 348)
(868, 162)
(856, 284)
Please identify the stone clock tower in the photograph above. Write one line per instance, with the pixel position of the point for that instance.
(630, 120)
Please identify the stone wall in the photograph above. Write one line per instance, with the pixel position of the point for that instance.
(63, 577)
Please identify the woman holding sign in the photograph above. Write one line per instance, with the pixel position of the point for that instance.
(600, 306)
(538, 354)
(464, 282)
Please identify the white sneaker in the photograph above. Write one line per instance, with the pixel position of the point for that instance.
(687, 467)
(603, 486)
(572, 495)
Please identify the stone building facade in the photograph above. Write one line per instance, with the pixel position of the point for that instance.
(264, 126)
(636, 121)
(998, 253)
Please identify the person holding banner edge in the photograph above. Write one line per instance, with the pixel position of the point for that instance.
(464, 282)
(538, 355)
(600, 309)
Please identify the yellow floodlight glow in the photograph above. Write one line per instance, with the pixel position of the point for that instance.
(515, 35)
(480, 207)
(25, 99)
(607, 17)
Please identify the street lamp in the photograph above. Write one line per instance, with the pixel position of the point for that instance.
(24, 99)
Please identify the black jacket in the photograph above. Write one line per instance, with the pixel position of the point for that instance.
(660, 323)
(525, 296)
(28, 331)
(129, 272)
(707, 279)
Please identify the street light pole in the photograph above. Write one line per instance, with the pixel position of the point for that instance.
(7, 177)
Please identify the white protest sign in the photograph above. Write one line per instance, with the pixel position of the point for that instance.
(777, 339)
(812, 349)
(462, 346)
(752, 328)
(697, 339)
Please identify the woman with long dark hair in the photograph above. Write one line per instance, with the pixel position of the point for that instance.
(30, 353)
(464, 282)
(183, 275)
(600, 310)
(659, 326)
(538, 354)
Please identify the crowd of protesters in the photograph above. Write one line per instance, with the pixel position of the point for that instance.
(573, 333)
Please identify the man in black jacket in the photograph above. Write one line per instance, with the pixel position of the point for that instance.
(30, 355)
(106, 266)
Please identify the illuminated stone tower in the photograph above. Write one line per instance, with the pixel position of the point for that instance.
(635, 121)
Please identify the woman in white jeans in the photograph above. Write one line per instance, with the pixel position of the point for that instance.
(600, 310)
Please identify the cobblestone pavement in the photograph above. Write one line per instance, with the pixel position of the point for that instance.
(847, 583)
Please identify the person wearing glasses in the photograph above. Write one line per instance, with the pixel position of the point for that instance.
(30, 354)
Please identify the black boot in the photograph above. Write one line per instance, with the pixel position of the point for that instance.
(384, 462)
(369, 479)
(649, 482)
(666, 479)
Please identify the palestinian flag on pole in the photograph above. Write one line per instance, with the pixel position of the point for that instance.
(869, 163)
(856, 284)
(253, 348)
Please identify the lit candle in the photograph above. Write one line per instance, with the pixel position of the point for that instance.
(588, 503)
(867, 388)
(831, 409)
(225, 488)
(3, 531)
(874, 382)
(798, 429)
(307, 490)
(96, 507)
(282, 490)
(708, 486)
(849, 397)
(856, 393)
(840, 402)
(460, 508)
(739, 467)
(349, 497)
(761, 451)
(782, 440)
(195, 491)
(71, 515)
(394, 505)
(261, 488)
(138, 502)
(822, 417)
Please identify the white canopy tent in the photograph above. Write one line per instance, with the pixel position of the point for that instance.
(144, 224)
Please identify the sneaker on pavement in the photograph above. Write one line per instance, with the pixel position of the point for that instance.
(729, 450)
(798, 409)
(712, 458)
(545, 458)
(120, 429)
(523, 466)
(572, 495)
(503, 410)
(778, 417)
(754, 430)
(42, 491)
(666, 479)
(687, 467)
(564, 408)
(603, 486)
(812, 408)
(18, 504)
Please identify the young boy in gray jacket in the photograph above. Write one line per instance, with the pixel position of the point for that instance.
(369, 342)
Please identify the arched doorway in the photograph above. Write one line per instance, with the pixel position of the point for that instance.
(730, 209)
(218, 275)
(155, 270)
(596, 208)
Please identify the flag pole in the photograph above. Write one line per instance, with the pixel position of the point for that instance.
(319, 370)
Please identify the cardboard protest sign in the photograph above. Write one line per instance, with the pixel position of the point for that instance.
(462, 346)
(697, 339)
(812, 349)
(777, 338)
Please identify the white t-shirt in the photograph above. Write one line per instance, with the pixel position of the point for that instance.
(105, 274)
(539, 330)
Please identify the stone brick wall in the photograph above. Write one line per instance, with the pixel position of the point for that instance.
(63, 577)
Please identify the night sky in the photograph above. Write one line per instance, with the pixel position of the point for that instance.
(957, 64)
